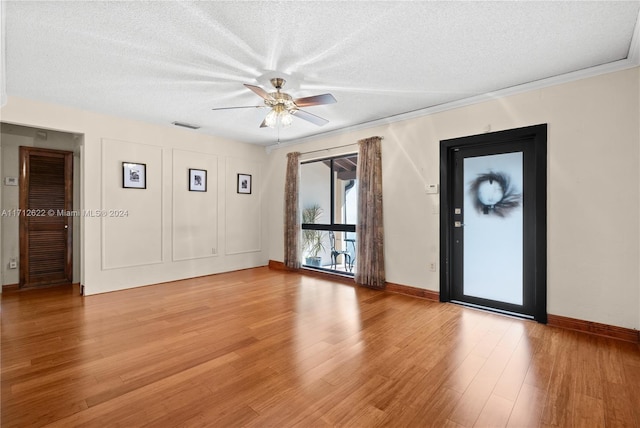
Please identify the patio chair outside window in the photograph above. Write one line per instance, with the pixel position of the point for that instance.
(335, 253)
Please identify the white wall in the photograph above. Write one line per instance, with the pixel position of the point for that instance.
(245, 222)
(3, 50)
(201, 218)
(593, 190)
(169, 233)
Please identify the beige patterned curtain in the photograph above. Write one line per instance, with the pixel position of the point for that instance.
(370, 249)
(291, 212)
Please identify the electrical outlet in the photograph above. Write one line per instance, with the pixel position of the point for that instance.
(432, 266)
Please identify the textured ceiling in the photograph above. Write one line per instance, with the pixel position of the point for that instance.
(174, 61)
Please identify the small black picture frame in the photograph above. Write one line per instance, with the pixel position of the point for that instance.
(134, 175)
(197, 180)
(244, 183)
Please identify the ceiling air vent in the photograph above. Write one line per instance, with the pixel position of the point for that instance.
(186, 125)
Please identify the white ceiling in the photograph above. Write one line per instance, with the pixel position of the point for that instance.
(174, 61)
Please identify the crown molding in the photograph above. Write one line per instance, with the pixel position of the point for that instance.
(526, 87)
(634, 47)
(632, 60)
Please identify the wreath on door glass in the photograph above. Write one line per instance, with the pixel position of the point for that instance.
(492, 193)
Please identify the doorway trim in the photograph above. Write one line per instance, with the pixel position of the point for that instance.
(538, 237)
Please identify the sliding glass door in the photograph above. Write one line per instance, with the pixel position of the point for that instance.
(328, 197)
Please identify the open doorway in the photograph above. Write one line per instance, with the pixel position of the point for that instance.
(14, 137)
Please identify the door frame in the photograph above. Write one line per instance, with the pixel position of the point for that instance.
(537, 134)
(24, 177)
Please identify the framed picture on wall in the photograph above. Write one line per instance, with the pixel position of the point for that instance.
(197, 180)
(134, 175)
(244, 183)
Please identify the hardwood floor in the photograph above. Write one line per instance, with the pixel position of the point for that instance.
(266, 348)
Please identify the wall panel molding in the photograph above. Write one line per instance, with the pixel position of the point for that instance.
(243, 212)
(135, 239)
(194, 224)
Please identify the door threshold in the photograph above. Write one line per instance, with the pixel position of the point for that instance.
(329, 271)
(494, 310)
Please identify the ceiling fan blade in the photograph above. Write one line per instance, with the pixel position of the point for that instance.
(232, 108)
(264, 123)
(261, 92)
(317, 120)
(315, 100)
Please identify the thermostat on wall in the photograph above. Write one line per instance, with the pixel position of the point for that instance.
(11, 181)
(431, 189)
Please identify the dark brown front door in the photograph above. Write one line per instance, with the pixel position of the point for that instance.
(46, 192)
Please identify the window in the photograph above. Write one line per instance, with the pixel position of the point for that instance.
(328, 197)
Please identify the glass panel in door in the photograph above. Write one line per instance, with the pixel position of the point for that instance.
(493, 227)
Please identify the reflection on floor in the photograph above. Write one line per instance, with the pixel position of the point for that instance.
(269, 348)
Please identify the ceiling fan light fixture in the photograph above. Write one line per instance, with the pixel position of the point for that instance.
(286, 119)
(282, 106)
(272, 119)
(278, 116)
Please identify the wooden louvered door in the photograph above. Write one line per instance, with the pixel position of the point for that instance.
(46, 192)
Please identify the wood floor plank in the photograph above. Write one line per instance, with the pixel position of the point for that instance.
(515, 371)
(262, 347)
(479, 391)
(631, 387)
(435, 412)
(561, 395)
(527, 410)
(495, 413)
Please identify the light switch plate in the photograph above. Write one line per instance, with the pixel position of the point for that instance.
(11, 181)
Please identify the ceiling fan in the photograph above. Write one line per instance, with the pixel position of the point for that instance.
(284, 107)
